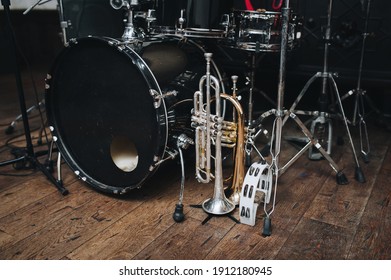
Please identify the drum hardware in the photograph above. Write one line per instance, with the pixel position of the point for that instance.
(181, 20)
(118, 4)
(150, 18)
(322, 124)
(251, 89)
(159, 97)
(130, 34)
(360, 95)
(276, 133)
(226, 23)
(281, 116)
(183, 142)
(29, 157)
(64, 24)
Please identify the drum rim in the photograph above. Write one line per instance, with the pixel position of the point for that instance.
(57, 135)
(194, 32)
(256, 12)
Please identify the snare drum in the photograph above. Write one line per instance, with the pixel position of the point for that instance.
(115, 112)
(261, 31)
(201, 18)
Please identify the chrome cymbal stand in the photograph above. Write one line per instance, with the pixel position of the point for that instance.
(251, 89)
(279, 112)
(359, 110)
(282, 115)
(323, 117)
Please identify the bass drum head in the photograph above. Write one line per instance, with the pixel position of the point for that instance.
(102, 114)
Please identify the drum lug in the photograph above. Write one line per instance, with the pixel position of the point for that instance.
(72, 41)
(169, 153)
(158, 97)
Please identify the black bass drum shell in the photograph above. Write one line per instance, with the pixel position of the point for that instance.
(105, 106)
(98, 94)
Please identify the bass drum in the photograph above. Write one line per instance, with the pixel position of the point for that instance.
(115, 112)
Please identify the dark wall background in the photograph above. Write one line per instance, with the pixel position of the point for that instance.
(347, 27)
(38, 35)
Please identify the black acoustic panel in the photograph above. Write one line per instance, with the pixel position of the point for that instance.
(92, 17)
(347, 28)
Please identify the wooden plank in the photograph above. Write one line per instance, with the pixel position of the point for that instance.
(335, 207)
(387, 159)
(62, 236)
(24, 194)
(40, 214)
(373, 239)
(296, 190)
(131, 234)
(244, 242)
(4, 238)
(314, 240)
(190, 242)
(343, 205)
(20, 193)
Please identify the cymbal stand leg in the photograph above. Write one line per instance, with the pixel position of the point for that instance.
(252, 89)
(358, 113)
(275, 146)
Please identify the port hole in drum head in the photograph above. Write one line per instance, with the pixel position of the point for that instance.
(124, 153)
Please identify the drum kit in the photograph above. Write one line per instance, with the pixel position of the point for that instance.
(120, 107)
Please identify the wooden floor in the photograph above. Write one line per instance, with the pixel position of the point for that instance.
(314, 217)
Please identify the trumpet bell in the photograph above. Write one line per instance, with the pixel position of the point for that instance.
(218, 206)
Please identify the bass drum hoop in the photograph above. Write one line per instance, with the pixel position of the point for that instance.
(204, 33)
(59, 138)
(149, 77)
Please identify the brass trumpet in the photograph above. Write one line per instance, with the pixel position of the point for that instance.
(212, 128)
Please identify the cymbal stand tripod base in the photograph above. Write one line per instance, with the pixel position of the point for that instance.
(313, 142)
(326, 77)
(282, 115)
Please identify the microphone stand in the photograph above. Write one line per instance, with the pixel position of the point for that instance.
(29, 155)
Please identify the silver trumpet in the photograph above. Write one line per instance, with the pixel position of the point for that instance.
(211, 128)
